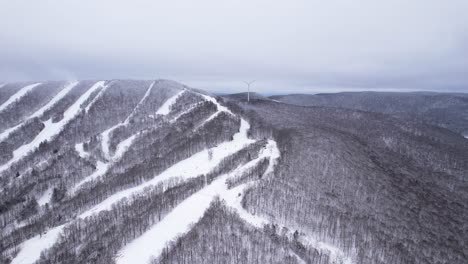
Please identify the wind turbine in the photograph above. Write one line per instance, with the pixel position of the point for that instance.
(248, 89)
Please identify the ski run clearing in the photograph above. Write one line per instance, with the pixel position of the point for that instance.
(52, 129)
(17, 96)
(42, 110)
(187, 213)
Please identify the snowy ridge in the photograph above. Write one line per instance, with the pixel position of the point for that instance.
(22, 92)
(59, 96)
(51, 129)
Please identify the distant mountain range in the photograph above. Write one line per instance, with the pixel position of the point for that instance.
(153, 171)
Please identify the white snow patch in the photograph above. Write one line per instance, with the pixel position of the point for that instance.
(51, 129)
(22, 92)
(42, 110)
(45, 198)
(166, 107)
(81, 152)
(198, 164)
(31, 249)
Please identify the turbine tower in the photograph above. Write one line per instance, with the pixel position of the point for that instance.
(248, 89)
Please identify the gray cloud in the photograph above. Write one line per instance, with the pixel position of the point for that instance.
(288, 46)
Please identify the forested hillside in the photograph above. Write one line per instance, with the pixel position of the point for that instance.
(152, 171)
(447, 110)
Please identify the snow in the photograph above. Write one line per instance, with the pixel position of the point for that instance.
(193, 106)
(45, 198)
(105, 136)
(218, 105)
(198, 164)
(147, 93)
(31, 249)
(177, 222)
(186, 214)
(101, 92)
(22, 92)
(166, 107)
(122, 147)
(51, 129)
(42, 110)
(101, 169)
(81, 152)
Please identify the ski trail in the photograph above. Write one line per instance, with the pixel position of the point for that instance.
(234, 196)
(179, 221)
(105, 136)
(52, 129)
(99, 95)
(45, 198)
(147, 93)
(166, 107)
(218, 105)
(22, 92)
(30, 250)
(59, 96)
(193, 106)
(101, 169)
(198, 164)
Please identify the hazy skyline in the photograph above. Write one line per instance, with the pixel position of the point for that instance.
(294, 46)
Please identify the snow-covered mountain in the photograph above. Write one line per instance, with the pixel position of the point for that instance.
(127, 171)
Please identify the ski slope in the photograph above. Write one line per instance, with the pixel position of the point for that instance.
(52, 129)
(196, 165)
(31, 249)
(166, 107)
(45, 198)
(59, 96)
(180, 220)
(15, 97)
(105, 136)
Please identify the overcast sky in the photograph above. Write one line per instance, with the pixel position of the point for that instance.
(287, 46)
